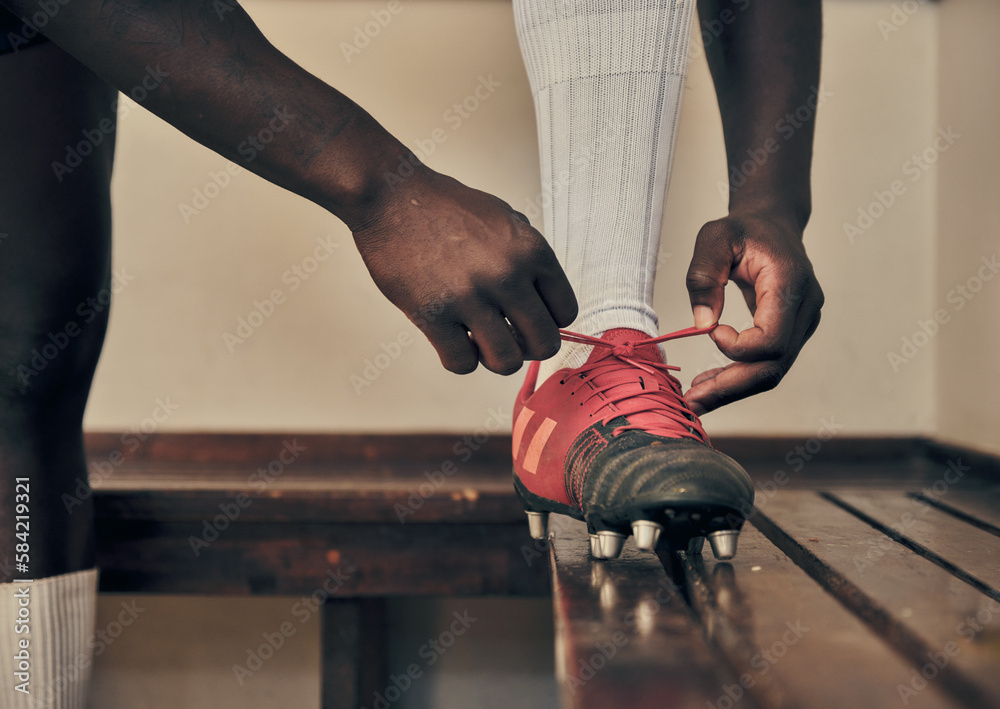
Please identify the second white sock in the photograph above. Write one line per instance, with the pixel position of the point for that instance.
(49, 665)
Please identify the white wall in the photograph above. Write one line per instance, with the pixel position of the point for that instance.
(968, 367)
(192, 281)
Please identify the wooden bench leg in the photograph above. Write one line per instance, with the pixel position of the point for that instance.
(354, 651)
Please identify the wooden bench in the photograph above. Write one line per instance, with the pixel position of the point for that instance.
(868, 578)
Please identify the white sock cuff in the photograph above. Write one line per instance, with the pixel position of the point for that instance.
(612, 45)
(51, 657)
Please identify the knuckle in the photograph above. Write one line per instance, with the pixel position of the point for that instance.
(770, 351)
(549, 347)
(768, 377)
(462, 366)
(700, 279)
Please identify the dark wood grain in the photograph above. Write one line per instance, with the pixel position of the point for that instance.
(978, 509)
(625, 636)
(793, 644)
(966, 551)
(257, 558)
(918, 608)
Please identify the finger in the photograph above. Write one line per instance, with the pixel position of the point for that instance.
(778, 299)
(706, 376)
(535, 330)
(708, 273)
(736, 381)
(457, 352)
(554, 288)
(492, 336)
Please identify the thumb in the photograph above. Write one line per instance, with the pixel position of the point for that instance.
(709, 272)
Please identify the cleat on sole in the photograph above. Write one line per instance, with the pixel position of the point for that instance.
(538, 524)
(724, 543)
(595, 547)
(611, 544)
(647, 534)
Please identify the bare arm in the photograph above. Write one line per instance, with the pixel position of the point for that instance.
(452, 258)
(764, 58)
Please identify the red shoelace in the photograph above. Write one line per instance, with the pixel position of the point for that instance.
(658, 410)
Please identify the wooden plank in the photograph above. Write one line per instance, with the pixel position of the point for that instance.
(624, 634)
(975, 508)
(222, 447)
(459, 501)
(255, 558)
(945, 629)
(791, 642)
(965, 551)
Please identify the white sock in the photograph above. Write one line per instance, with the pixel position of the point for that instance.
(61, 612)
(607, 77)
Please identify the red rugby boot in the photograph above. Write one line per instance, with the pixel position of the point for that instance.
(614, 444)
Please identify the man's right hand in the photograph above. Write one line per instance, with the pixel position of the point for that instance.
(462, 264)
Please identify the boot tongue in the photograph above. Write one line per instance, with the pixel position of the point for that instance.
(623, 339)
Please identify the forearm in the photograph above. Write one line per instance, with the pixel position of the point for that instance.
(221, 82)
(765, 64)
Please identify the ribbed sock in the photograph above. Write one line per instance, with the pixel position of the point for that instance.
(61, 612)
(607, 78)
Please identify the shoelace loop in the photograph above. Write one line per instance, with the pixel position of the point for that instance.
(678, 419)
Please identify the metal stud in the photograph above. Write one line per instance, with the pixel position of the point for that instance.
(538, 524)
(647, 534)
(595, 547)
(724, 543)
(611, 544)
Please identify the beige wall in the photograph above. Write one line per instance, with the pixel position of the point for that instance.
(968, 374)
(192, 281)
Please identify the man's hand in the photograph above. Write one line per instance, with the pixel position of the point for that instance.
(462, 264)
(765, 257)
